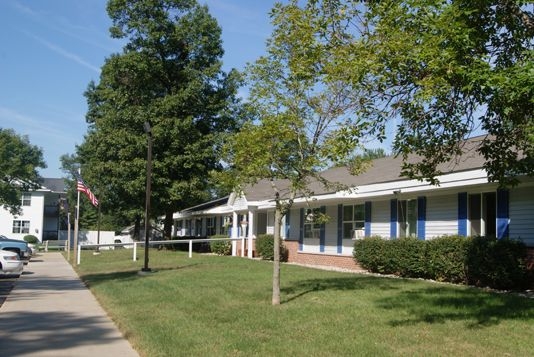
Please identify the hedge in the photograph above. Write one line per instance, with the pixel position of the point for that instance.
(500, 264)
(479, 261)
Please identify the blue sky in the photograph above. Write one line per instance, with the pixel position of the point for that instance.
(51, 49)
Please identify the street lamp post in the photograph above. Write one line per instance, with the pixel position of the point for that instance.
(148, 131)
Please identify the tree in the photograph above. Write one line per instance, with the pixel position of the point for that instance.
(363, 159)
(19, 161)
(302, 121)
(168, 74)
(444, 70)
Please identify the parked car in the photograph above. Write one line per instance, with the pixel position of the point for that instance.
(10, 263)
(18, 246)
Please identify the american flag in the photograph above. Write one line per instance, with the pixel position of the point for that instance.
(82, 187)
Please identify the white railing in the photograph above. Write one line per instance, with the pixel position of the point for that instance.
(56, 244)
(161, 242)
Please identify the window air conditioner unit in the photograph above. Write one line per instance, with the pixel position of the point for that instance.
(358, 234)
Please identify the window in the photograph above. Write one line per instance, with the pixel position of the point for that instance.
(198, 227)
(225, 224)
(187, 227)
(179, 226)
(26, 199)
(353, 221)
(483, 214)
(407, 218)
(210, 226)
(21, 226)
(311, 228)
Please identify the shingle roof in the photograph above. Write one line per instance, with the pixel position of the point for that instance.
(54, 184)
(207, 205)
(382, 170)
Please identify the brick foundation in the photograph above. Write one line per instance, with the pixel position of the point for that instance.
(319, 259)
(254, 255)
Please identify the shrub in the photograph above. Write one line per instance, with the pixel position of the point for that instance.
(408, 255)
(445, 258)
(369, 253)
(265, 247)
(499, 264)
(221, 247)
(31, 239)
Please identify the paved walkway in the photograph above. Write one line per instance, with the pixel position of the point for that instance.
(50, 312)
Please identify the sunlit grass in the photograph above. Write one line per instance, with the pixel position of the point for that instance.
(220, 306)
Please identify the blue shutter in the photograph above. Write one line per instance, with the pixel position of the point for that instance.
(322, 234)
(421, 217)
(393, 220)
(339, 229)
(503, 213)
(462, 214)
(288, 224)
(368, 206)
(301, 232)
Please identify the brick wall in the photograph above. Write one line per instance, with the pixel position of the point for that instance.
(322, 259)
(246, 248)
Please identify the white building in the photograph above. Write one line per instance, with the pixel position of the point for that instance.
(39, 215)
(378, 202)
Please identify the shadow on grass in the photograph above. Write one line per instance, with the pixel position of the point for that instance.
(98, 278)
(476, 307)
(304, 287)
(423, 303)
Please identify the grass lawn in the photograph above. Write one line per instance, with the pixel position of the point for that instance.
(221, 306)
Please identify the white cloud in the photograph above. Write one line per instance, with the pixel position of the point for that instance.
(26, 125)
(71, 56)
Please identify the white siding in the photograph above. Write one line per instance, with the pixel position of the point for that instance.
(348, 247)
(331, 231)
(32, 213)
(311, 245)
(522, 214)
(270, 222)
(441, 216)
(380, 217)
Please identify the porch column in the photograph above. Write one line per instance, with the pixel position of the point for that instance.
(250, 233)
(235, 230)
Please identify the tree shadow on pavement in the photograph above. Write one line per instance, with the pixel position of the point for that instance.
(24, 333)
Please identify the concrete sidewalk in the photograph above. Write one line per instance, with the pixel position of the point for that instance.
(50, 312)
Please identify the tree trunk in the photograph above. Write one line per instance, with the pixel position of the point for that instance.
(276, 263)
(167, 224)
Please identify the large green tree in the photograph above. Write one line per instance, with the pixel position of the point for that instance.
(19, 161)
(302, 121)
(339, 72)
(168, 74)
(442, 71)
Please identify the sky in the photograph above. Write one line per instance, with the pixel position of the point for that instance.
(50, 50)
